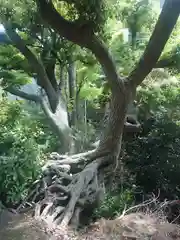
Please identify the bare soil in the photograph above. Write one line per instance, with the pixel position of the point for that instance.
(131, 227)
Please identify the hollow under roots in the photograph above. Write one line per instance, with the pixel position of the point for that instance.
(67, 187)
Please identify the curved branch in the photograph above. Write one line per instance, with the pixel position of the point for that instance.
(31, 97)
(70, 30)
(19, 93)
(45, 108)
(35, 63)
(105, 59)
(159, 37)
(84, 37)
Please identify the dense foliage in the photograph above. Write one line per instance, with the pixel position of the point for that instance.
(115, 204)
(154, 158)
(22, 143)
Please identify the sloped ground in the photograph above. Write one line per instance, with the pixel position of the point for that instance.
(20, 227)
(131, 227)
(137, 226)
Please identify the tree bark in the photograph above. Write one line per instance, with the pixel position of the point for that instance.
(60, 125)
(49, 63)
(110, 140)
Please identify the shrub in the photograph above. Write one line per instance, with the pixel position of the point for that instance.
(113, 205)
(153, 157)
(20, 152)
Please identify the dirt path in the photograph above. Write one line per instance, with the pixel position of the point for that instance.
(20, 227)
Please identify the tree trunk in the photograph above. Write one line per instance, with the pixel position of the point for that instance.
(60, 125)
(62, 79)
(110, 140)
(72, 91)
(133, 37)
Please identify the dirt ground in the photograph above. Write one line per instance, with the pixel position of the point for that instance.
(20, 227)
(130, 227)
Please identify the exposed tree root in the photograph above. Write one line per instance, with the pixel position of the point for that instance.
(64, 191)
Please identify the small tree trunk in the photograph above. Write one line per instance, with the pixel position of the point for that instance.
(62, 78)
(133, 37)
(72, 90)
(60, 125)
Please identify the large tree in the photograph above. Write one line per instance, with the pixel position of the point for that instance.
(68, 190)
(58, 58)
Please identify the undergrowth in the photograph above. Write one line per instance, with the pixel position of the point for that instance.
(113, 205)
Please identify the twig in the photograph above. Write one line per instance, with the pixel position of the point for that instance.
(135, 207)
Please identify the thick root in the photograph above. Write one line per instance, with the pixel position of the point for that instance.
(62, 194)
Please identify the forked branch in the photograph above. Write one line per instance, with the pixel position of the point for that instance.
(84, 37)
(70, 30)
